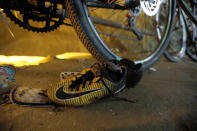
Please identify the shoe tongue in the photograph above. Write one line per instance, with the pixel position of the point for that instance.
(92, 74)
(110, 71)
(96, 69)
(110, 74)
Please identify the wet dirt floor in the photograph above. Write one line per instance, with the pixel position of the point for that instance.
(167, 97)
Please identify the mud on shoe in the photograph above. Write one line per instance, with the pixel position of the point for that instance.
(88, 86)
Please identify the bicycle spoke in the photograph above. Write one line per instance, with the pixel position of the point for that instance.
(118, 36)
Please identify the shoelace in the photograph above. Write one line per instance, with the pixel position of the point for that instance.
(88, 75)
(83, 79)
(93, 74)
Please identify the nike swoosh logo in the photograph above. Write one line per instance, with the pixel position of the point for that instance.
(60, 94)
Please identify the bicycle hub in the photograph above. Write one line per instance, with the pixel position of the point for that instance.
(150, 7)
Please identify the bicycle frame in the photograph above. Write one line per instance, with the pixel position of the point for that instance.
(98, 4)
(184, 6)
(191, 37)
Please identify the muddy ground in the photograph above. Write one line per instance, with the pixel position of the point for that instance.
(167, 97)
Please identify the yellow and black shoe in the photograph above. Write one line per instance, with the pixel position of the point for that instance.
(134, 72)
(89, 85)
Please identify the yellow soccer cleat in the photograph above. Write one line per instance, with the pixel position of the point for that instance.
(89, 85)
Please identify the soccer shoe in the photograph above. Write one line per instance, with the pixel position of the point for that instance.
(89, 85)
(134, 71)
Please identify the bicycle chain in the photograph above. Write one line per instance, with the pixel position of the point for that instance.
(37, 13)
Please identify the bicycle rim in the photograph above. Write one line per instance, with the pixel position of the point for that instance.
(177, 44)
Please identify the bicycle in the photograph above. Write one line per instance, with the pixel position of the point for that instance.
(186, 11)
(177, 45)
(114, 35)
(191, 27)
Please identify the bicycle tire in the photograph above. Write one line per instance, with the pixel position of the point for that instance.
(92, 40)
(191, 54)
(176, 56)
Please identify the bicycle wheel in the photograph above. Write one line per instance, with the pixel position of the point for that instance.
(192, 40)
(189, 7)
(114, 31)
(177, 45)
